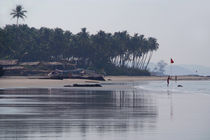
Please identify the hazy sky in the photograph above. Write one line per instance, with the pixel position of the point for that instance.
(182, 27)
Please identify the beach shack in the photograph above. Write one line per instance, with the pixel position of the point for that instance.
(11, 67)
(9, 63)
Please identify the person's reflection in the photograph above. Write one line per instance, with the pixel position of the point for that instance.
(171, 104)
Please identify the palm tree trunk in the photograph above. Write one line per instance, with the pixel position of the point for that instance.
(143, 66)
(150, 56)
(17, 21)
(141, 60)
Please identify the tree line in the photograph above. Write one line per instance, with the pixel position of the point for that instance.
(99, 51)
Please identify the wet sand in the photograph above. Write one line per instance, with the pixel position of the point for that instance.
(34, 82)
(112, 114)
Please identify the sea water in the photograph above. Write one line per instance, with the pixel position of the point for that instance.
(147, 110)
(189, 86)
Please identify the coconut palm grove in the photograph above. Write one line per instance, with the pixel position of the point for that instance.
(117, 53)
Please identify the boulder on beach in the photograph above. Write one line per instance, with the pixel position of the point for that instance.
(83, 85)
(179, 86)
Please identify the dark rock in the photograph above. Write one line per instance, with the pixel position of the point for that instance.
(87, 85)
(68, 86)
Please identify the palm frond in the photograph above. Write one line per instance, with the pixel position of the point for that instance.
(14, 16)
(22, 14)
(13, 13)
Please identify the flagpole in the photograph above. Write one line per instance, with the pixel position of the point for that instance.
(171, 61)
(170, 67)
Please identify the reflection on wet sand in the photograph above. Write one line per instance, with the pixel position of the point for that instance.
(63, 113)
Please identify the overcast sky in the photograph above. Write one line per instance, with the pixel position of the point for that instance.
(182, 27)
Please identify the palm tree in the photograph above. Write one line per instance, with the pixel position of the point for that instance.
(19, 12)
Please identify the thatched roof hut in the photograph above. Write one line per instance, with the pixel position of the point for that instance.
(11, 62)
(29, 63)
(14, 68)
(52, 63)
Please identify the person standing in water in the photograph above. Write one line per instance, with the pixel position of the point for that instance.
(168, 79)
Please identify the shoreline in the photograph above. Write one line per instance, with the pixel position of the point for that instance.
(116, 78)
(9, 82)
(154, 78)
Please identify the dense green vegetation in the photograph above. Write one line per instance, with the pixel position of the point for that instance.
(114, 53)
(1, 71)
